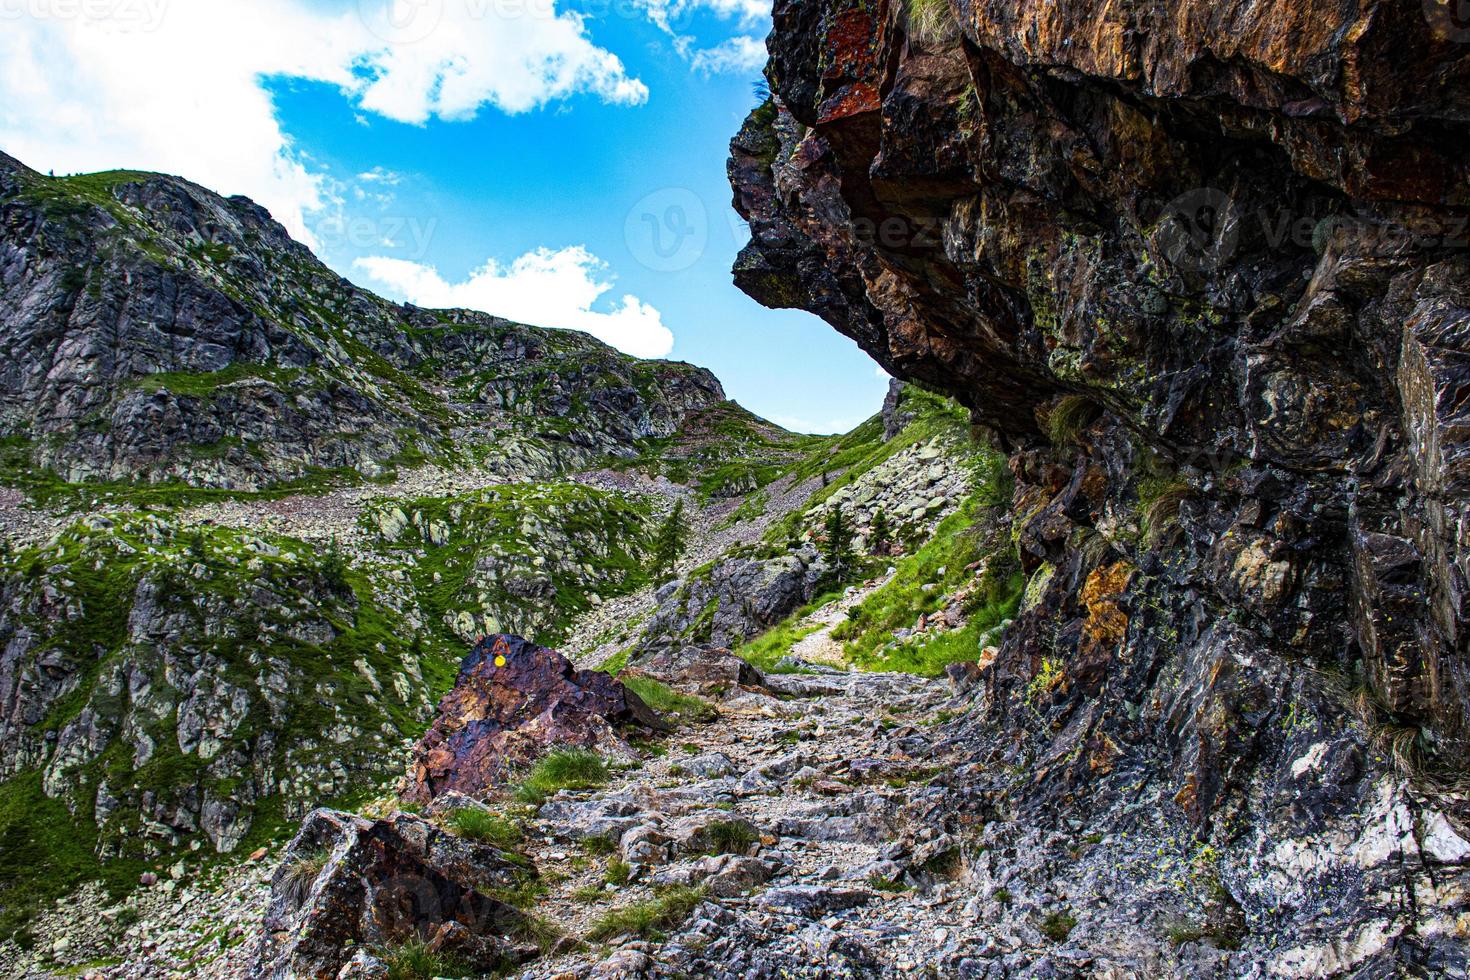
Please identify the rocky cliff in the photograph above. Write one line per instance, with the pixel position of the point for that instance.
(152, 331)
(1202, 270)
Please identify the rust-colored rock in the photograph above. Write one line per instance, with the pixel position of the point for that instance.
(514, 700)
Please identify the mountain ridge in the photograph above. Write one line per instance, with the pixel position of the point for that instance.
(157, 332)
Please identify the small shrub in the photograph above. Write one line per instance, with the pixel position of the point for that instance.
(1002, 895)
(731, 837)
(473, 823)
(651, 919)
(563, 769)
(1058, 925)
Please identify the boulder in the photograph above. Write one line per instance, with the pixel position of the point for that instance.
(512, 702)
(706, 669)
(347, 882)
(813, 900)
(720, 875)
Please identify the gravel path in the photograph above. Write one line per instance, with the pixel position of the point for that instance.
(818, 646)
(821, 772)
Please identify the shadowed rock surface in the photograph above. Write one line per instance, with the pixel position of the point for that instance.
(706, 670)
(514, 700)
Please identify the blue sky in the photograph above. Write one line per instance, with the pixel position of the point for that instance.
(510, 155)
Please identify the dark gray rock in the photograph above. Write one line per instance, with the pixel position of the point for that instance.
(348, 882)
(813, 901)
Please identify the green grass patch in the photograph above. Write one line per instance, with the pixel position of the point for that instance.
(618, 872)
(45, 853)
(563, 769)
(473, 823)
(941, 565)
(1058, 925)
(651, 919)
(881, 883)
(767, 650)
(414, 960)
(204, 384)
(616, 663)
(680, 708)
(731, 836)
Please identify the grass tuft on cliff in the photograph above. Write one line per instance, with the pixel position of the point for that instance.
(931, 22)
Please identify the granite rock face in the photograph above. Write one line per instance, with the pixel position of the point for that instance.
(733, 600)
(512, 702)
(1203, 269)
(154, 331)
(157, 684)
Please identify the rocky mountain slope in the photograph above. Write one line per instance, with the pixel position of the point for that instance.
(1171, 681)
(1201, 270)
(156, 333)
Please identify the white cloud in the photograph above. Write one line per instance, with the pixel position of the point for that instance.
(738, 54)
(562, 289)
(178, 85)
(379, 175)
(514, 57)
(741, 54)
(674, 15)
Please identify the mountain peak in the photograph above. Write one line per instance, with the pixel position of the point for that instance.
(157, 331)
